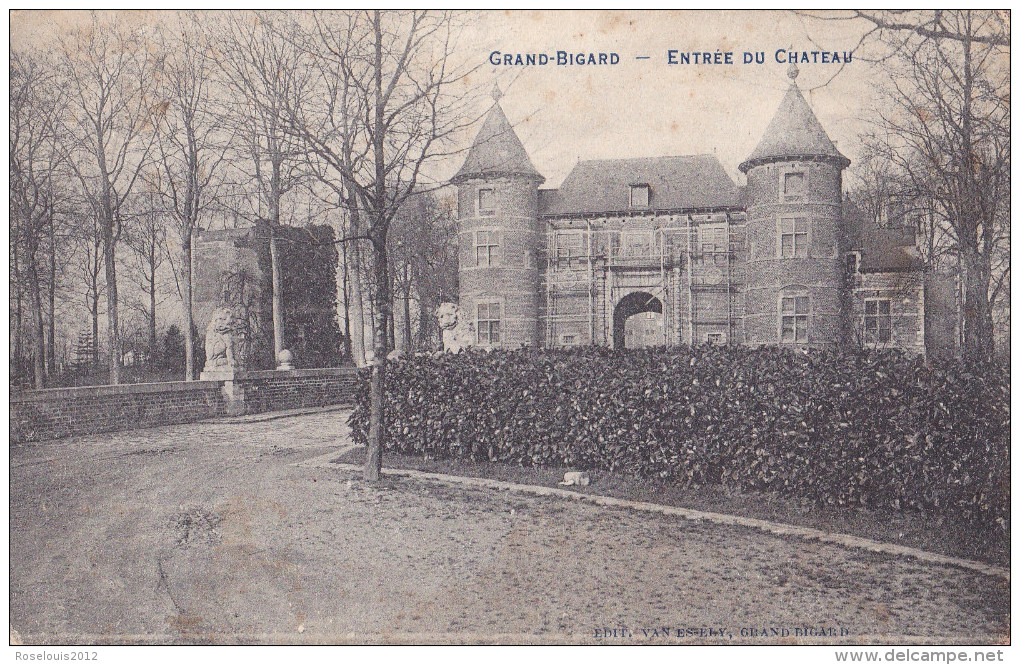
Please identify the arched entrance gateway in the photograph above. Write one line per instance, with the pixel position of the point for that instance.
(637, 321)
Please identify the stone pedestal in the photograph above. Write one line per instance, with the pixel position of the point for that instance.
(285, 360)
(233, 389)
(219, 374)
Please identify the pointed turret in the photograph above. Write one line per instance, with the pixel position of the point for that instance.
(498, 232)
(795, 286)
(794, 133)
(497, 151)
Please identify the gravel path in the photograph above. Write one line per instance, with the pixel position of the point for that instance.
(211, 533)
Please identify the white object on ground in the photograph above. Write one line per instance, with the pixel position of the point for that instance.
(576, 478)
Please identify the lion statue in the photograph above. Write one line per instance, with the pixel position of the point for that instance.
(458, 332)
(219, 340)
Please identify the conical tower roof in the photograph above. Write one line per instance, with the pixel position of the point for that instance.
(497, 151)
(794, 133)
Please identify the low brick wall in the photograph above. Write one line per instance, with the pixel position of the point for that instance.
(60, 412)
(294, 389)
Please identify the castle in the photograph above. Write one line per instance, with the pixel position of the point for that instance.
(669, 250)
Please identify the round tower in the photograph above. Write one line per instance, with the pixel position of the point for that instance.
(497, 191)
(794, 230)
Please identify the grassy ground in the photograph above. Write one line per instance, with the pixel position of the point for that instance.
(910, 529)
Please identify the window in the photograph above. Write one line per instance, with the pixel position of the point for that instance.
(794, 320)
(650, 316)
(486, 202)
(891, 212)
(877, 320)
(794, 186)
(714, 243)
(570, 251)
(793, 237)
(486, 248)
(487, 323)
(715, 339)
(639, 195)
(851, 263)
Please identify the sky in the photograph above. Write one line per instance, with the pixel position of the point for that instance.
(636, 108)
(646, 108)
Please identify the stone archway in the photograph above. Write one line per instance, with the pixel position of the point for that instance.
(637, 302)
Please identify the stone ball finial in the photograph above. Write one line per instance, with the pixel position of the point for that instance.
(497, 94)
(285, 360)
(793, 72)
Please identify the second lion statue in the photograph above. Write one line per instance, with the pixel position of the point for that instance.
(458, 332)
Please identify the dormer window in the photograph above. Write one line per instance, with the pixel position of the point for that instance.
(891, 213)
(486, 202)
(639, 195)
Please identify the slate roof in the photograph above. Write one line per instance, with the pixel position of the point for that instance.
(497, 150)
(794, 132)
(889, 250)
(602, 186)
(883, 249)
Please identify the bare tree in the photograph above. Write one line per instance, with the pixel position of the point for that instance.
(262, 71)
(146, 238)
(87, 239)
(191, 147)
(37, 101)
(109, 73)
(423, 243)
(943, 126)
(388, 112)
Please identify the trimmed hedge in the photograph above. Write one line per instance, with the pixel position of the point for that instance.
(878, 429)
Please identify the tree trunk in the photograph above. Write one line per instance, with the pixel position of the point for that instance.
(38, 328)
(189, 313)
(152, 319)
(274, 259)
(17, 334)
(380, 336)
(112, 324)
(391, 326)
(357, 309)
(424, 332)
(275, 195)
(407, 320)
(51, 339)
(977, 314)
(110, 267)
(347, 352)
(95, 329)
(380, 284)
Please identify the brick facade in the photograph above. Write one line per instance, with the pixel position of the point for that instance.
(510, 277)
(61, 412)
(905, 292)
(818, 274)
(675, 236)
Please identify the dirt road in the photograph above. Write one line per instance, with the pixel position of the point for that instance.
(217, 533)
